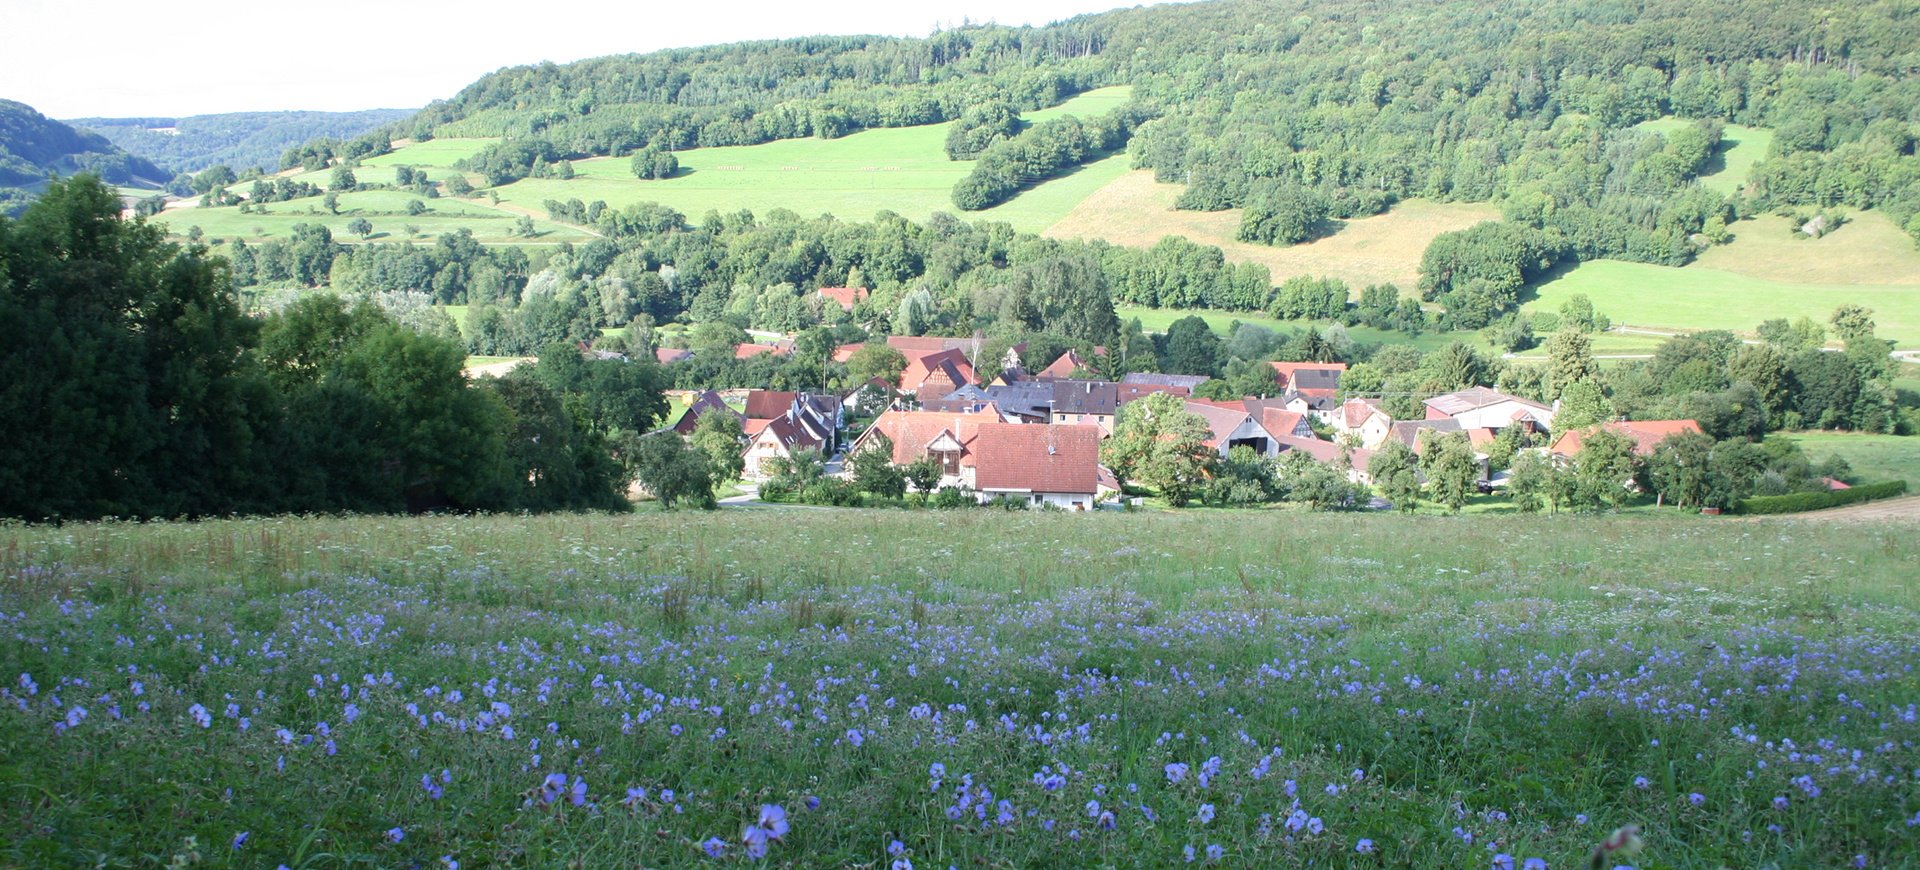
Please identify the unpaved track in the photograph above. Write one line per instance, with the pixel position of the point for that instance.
(1904, 509)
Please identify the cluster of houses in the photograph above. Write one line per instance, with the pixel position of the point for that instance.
(1036, 436)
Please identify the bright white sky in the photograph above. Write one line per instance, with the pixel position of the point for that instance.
(128, 58)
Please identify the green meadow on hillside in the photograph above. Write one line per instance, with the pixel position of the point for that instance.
(903, 169)
(385, 209)
(1693, 297)
(1740, 148)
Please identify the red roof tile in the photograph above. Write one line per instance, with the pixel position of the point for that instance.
(1646, 435)
(1036, 458)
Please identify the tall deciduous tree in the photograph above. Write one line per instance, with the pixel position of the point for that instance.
(1396, 474)
(1162, 444)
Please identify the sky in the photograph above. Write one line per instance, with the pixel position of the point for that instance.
(139, 58)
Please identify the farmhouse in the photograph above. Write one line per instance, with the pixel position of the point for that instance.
(934, 375)
(1363, 420)
(1039, 463)
(1064, 367)
(1482, 407)
(1232, 427)
(1309, 379)
(672, 355)
(777, 438)
(1327, 452)
(745, 351)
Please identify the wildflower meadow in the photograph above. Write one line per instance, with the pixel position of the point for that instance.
(807, 688)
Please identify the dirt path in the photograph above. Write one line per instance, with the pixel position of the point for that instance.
(1905, 509)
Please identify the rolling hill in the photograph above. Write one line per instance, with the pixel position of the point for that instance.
(237, 139)
(32, 146)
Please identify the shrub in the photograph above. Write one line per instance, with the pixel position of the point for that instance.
(949, 497)
(1813, 501)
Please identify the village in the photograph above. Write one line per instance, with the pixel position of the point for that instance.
(1003, 430)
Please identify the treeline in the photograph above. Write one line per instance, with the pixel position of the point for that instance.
(137, 387)
(248, 140)
(1042, 152)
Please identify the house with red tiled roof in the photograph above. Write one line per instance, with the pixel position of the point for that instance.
(937, 373)
(1038, 463)
(1064, 367)
(1277, 419)
(845, 296)
(744, 351)
(780, 438)
(1363, 420)
(672, 355)
(1646, 435)
(1327, 452)
(846, 351)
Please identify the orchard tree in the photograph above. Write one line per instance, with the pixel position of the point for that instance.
(1396, 474)
(360, 227)
(343, 180)
(721, 438)
(674, 472)
(1162, 444)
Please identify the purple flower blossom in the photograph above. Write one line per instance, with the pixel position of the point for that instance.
(239, 840)
(754, 838)
(901, 863)
(773, 819)
(395, 835)
(1188, 852)
(1534, 864)
(432, 788)
(1215, 853)
(1780, 802)
(1696, 799)
(1364, 847)
(714, 847)
(1640, 782)
(896, 849)
(1205, 814)
(1502, 861)
(579, 794)
(1176, 772)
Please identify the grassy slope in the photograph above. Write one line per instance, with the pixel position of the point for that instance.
(903, 169)
(1158, 319)
(1874, 457)
(1135, 210)
(1700, 298)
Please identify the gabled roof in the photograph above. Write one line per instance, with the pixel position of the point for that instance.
(912, 431)
(846, 351)
(1027, 398)
(1462, 401)
(1646, 435)
(846, 296)
(788, 434)
(1222, 418)
(1280, 421)
(1036, 458)
(1354, 413)
(768, 404)
(1065, 366)
(1157, 379)
(706, 402)
(1408, 431)
(1317, 400)
(955, 361)
(1322, 451)
(1085, 397)
(672, 354)
(914, 347)
(743, 351)
(1319, 376)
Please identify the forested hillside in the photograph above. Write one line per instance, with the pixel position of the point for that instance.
(1303, 111)
(238, 139)
(33, 145)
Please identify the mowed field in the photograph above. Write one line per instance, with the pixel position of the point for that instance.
(1136, 211)
(1873, 457)
(904, 170)
(1697, 297)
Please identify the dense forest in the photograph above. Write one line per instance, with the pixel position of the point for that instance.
(33, 146)
(237, 139)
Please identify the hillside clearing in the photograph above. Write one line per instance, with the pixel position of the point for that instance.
(1136, 211)
(1740, 148)
(1695, 297)
(1867, 249)
(904, 170)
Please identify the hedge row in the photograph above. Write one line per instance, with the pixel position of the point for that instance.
(1813, 501)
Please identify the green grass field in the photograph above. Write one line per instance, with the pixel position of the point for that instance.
(1636, 294)
(385, 209)
(904, 170)
(1874, 458)
(1740, 148)
(817, 688)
